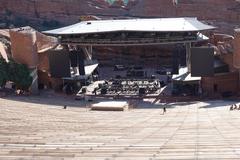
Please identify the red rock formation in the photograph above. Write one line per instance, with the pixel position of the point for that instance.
(219, 84)
(26, 43)
(24, 55)
(3, 52)
(223, 13)
(236, 55)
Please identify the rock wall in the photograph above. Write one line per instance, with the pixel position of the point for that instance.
(53, 13)
(25, 55)
(221, 83)
(236, 55)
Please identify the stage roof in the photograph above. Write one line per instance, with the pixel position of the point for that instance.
(135, 25)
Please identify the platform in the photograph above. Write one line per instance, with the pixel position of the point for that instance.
(110, 106)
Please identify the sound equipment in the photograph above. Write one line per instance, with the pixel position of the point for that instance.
(59, 64)
(73, 58)
(81, 57)
(202, 61)
(142, 91)
(175, 61)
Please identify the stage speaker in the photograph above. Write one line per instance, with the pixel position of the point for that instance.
(202, 61)
(175, 69)
(59, 64)
(73, 58)
(81, 58)
(175, 60)
(182, 54)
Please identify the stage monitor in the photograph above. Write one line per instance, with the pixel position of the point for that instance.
(202, 61)
(59, 63)
(73, 55)
(182, 50)
(81, 58)
(176, 60)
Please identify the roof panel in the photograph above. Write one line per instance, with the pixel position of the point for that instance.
(147, 25)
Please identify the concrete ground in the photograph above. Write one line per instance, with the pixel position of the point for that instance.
(39, 128)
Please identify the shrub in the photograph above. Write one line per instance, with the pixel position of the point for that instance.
(20, 75)
(3, 72)
(17, 73)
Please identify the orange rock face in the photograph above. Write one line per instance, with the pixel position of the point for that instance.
(27, 43)
(236, 55)
(25, 55)
(222, 13)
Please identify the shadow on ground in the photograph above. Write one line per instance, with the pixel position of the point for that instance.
(149, 105)
(218, 103)
(56, 99)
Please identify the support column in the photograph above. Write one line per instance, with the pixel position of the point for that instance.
(188, 56)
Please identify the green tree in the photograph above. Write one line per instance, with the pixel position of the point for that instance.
(3, 72)
(15, 72)
(20, 75)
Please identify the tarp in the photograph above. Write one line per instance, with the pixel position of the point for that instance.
(184, 76)
(90, 69)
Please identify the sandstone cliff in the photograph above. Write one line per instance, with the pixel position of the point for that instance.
(54, 13)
